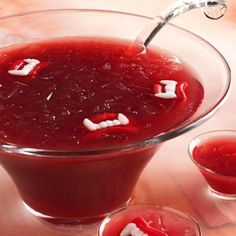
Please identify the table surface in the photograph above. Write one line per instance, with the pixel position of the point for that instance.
(162, 181)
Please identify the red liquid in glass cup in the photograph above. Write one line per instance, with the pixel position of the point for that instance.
(216, 159)
(80, 79)
(150, 220)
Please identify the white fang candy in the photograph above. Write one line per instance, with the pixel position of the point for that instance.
(115, 122)
(133, 230)
(121, 120)
(90, 125)
(31, 64)
(170, 88)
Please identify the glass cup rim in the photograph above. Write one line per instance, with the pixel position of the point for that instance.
(145, 205)
(198, 139)
(152, 141)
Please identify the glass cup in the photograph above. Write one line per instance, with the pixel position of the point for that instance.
(214, 153)
(66, 186)
(169, 221)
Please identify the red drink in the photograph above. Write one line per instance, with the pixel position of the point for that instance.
(80, 79)
(72, 81)
(150, 220)
(216, 157)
